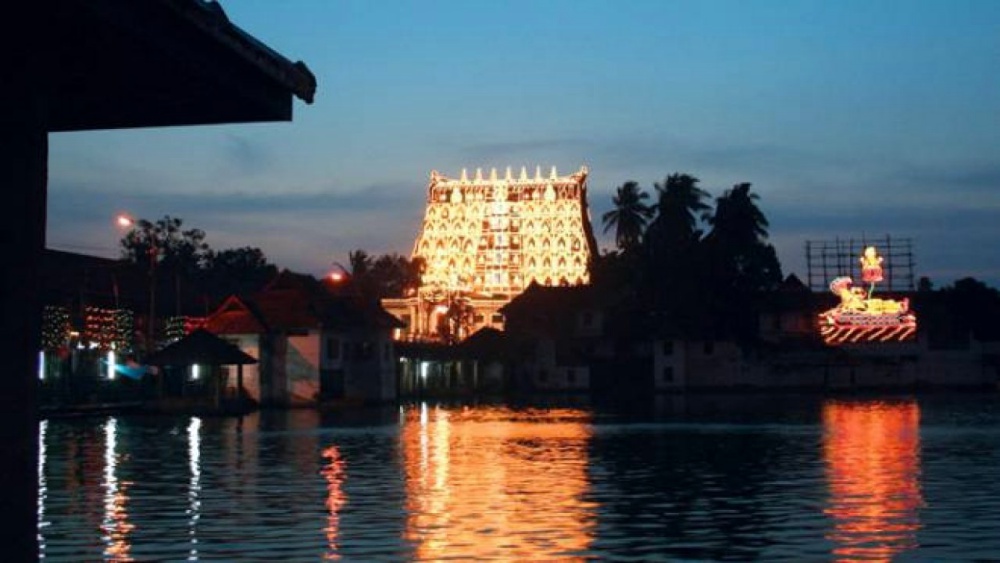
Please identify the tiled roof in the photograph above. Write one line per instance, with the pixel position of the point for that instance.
(552, 299)
(297, 302)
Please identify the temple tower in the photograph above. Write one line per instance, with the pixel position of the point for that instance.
(485, 238)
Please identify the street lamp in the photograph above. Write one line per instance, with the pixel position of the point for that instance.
(341, 274)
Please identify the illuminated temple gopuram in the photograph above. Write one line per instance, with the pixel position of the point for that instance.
(485, 239)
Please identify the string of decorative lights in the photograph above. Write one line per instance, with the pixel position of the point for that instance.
(55, 327)
(108, 327)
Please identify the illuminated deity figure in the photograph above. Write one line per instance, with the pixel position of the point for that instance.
(861, 318)
(851, 298)
(871, 268)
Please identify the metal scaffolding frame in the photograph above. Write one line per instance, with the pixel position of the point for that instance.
(828, 259)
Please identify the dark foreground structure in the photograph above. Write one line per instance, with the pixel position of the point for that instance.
(76, 65)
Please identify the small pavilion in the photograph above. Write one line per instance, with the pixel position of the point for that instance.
(202, 348)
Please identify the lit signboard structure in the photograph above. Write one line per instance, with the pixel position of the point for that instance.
(861, 317)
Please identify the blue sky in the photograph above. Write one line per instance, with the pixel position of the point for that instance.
(850, 118)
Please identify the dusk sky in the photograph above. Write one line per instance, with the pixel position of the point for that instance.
(850, 118)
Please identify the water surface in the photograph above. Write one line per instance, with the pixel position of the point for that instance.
(702, 477)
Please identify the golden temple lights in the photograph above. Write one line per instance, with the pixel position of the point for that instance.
(486, 239)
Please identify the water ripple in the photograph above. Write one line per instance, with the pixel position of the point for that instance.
(847, 480)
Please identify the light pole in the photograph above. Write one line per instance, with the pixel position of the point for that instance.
(124, 221)
(342, 280)
(340, 274)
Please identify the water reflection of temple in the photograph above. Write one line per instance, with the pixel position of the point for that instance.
(872, 455)
(496, 484)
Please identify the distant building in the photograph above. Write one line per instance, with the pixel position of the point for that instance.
(558, 334)
(312, 343)
(485, 239)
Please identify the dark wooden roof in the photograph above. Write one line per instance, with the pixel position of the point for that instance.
(147, 63)
(486, 344)
(539, 299)
(200, 347)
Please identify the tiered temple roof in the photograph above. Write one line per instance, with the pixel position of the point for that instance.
(495, 234)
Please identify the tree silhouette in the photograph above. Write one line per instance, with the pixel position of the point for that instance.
(672, 280)
(173, 248)
(360, 263)
(679, 205)
(737, 217)
(629, 217)
(388, 275)
(185, 267)
(974, 306)
(739, 255)
(739, 261)
(235, 271)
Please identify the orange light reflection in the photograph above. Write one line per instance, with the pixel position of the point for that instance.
(334, 473)
(497, 484)
(872, 454)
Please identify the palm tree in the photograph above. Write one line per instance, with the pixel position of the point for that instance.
(629, 216)
(741, 256)
(360, 263)
(737, 217)
(671, 278)
(677, 210)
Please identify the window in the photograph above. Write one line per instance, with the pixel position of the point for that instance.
(478, 319)
(332, 348)
(364, 351)
(497, 318)
(668, 374)
(668, 347)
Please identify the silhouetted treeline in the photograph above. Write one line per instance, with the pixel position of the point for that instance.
(693, 263)
(388, 275)
(191, 277)
(952, 314)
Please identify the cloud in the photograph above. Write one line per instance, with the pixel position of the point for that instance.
(955, 180)
(243, 156)
(376, 217)
(947, 207)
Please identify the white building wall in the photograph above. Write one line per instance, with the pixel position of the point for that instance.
(669, 369)
(715, 364)
(302, 363)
